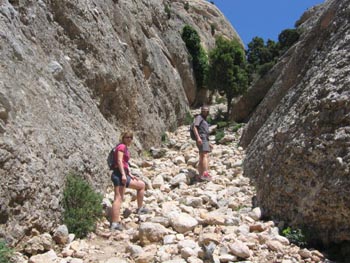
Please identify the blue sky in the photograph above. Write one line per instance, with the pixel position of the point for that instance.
(263, 18)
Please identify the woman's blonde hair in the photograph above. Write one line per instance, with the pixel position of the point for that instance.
(125, 134)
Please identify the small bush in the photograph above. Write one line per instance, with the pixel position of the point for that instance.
(263, 69)
(146, 154)
(165, 137)
(219, 135)
(222, 124)
(5, 252)
(295, 236)
(186, 6)
(212, 29)
(82, 205)
(188, 118)
(236, 127)
(210, 120)
(167, 10)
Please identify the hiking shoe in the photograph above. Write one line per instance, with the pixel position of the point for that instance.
(117, 226)
(206, 176)
(143, 211)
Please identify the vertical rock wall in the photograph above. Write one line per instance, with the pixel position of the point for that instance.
(299, 137)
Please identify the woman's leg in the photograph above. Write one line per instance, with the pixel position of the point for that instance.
(139, 186)
(118, 199)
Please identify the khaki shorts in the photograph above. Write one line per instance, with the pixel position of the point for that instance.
(204, 147)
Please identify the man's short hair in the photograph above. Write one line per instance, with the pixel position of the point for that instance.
(205, 108)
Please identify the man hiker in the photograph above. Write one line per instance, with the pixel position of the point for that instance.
(201, 131)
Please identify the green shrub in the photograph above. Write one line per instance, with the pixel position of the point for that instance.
(167, 10)
(82, 206)
(212, 29)
(197, 55)
(222, 124)
(188, 118)
(164, 137)
(236, 127)
(146, 154)
(186, 6)
(295, 236)
(210, 120)
(5, 252)
(219, 135)
(263, 69)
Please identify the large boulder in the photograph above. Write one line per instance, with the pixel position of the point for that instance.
(298, 139)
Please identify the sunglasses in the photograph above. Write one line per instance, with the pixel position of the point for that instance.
(128, 137)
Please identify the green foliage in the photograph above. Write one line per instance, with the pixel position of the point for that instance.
(295, 236)
(164, 137)
(210, 120)
(236, 127)
(287, 38)
(146, 154)
(82, 206)
(222, 124)
(219, 116)
(5, 252)
(261, 57)
(228, 69)
(186, 6)
(167, 10)
(219, 135)
(188, 118)
(212, 29)
(198, 55)
(263, 69)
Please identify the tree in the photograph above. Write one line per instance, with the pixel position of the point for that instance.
(198, 55)
(287, 38)
(261, 57)
(259, 54)
(254, 51)
(228, 69)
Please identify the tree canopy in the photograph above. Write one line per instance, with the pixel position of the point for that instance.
(228, 69)
(198, 55)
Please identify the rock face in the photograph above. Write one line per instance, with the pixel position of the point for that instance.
(73, 74)
(298, 138)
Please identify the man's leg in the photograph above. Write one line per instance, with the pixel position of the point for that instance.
(205, 161)
(200, 164)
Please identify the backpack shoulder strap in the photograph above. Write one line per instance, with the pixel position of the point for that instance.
(118, 145)
(202, 119)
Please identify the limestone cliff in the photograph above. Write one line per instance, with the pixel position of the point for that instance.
(298, 138)
(73, 74)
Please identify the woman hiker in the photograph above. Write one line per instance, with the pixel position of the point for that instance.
(122, 178)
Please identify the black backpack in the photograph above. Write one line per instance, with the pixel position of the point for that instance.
(192, 134)
(111, 161)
